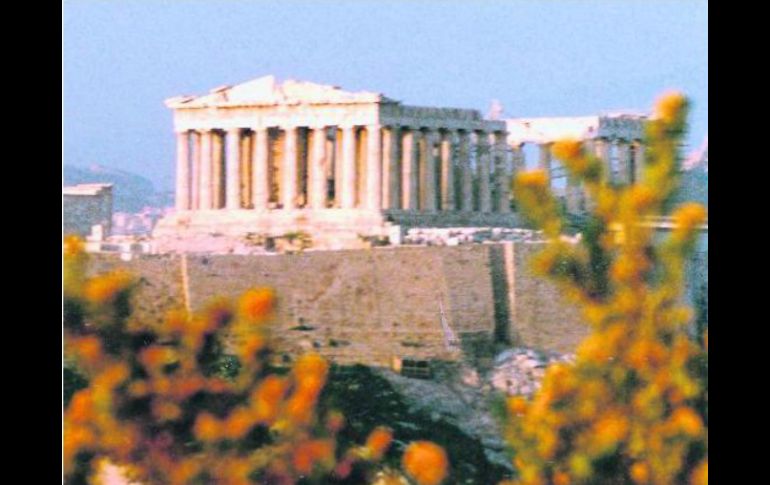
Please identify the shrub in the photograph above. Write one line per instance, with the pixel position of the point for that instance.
(195, 400)
(633, 407)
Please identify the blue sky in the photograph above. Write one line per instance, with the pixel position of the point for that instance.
(122, 58)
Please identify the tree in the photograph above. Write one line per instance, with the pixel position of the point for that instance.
(633, 407)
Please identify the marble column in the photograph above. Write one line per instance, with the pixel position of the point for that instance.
(483, 150)
(217, 177)
(260, 189)
(195, 176)
(574, 196)
(502, 174)
(232, 169)
(544, 161)
(428, 172)
(348, 185)
(602, 151)
(391, 176)
(466, 171)
(205, 199)
(448, 142)
(410, 172)
(318, 169)
(289, 182)
(182, 170)
(624, 162)
(638, 160)
(373, 168)
(518, 164)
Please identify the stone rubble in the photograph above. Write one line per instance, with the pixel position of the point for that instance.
(455, 236)
(519, 371)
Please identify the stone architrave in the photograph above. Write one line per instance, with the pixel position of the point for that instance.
(260, 189)
(232, 172)
(182, 171)
(289, 189)
(318, 169)
(373, 168)
(409, 184)
(448, 142)
(428, 174)
(483, 149)
(205, 200)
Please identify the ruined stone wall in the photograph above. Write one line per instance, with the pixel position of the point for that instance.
(373, 305)
(540, 316)
(80, 212)
(365, 306)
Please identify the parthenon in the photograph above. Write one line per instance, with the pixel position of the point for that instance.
(273, 157)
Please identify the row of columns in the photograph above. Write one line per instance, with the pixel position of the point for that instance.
(401, 169)
(629, 157)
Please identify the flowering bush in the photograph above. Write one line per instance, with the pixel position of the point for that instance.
(168, 405)
(633, 407)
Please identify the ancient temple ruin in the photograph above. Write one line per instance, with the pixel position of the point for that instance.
(616, 139)
(277, 157)
(272, 158)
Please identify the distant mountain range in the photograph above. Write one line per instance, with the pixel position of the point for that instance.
(131, 192)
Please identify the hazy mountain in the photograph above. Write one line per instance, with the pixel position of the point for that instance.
(131, 192)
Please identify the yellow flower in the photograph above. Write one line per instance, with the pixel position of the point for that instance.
(257, 304)
(88, 349)
(238, 423)
(310, 367)
(207, 427)
(642, 197)
(686, 420)
(103, 289)
(687, 216)
(561, 478)
(670, 106)
(379, 441)
(266, 398)
(700, 476)
(567, 149)
(517, 406)
(640, 473)
(609, 429)
(426, 462)
(534, 179)
(73, 246)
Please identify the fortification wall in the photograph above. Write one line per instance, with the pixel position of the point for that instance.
(372, 305)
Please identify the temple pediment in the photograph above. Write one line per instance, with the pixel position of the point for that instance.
(267, 90)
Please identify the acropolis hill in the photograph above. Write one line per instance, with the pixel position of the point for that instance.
(349, 171)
